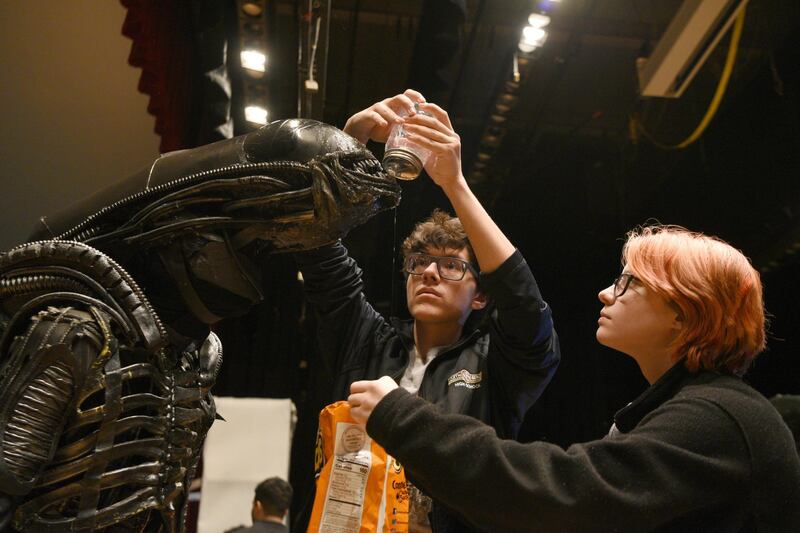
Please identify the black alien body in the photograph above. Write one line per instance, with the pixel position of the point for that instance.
(106, 356)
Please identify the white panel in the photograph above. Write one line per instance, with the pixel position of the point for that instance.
(686, 43)
(252, 444)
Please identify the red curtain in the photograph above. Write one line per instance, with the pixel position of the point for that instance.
(163, 48)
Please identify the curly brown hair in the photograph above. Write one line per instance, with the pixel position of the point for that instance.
(440, 230)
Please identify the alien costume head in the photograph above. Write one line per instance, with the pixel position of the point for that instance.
(206, 213)
(104, 399)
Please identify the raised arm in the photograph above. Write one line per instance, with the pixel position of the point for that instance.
(636, 482)
(345, 319)
(523, 350)
(436, 133)
(375, 122)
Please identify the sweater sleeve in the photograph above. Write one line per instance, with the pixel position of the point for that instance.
(688, 456)
(523, 346)
(333, 287)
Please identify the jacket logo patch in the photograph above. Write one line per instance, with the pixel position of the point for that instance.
(463, 378)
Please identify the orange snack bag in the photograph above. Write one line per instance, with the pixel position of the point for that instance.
(360, 488)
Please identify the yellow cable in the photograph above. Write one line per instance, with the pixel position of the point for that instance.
(715, 101)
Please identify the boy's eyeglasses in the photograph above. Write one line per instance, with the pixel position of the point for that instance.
(450, 268)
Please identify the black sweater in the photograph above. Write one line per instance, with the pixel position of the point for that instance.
(493, 375)
(695, 452)
(506, 368)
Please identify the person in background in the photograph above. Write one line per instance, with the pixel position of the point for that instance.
(270, 507)
(699, 450)
(454, 267)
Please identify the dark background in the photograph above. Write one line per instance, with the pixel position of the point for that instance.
(568, 180)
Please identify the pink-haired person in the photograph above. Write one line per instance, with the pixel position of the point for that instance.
(699, 450)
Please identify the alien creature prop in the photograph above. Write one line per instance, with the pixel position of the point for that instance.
(106, 356)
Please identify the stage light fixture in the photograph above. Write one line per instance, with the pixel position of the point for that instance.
(502, 108)
(253, 9)
(508, 98)
(492, 141)
(254, 97)
(537, 20)
(255, 114)
(478, 176)
(254, 60)
(532, 38)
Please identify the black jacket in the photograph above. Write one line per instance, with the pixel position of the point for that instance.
(261, 527)
(695, 452)
(494, 376)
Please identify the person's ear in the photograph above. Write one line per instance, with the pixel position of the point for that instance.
(677, 321)
(480, 300)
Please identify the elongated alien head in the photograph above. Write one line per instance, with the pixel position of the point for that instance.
(207, 212)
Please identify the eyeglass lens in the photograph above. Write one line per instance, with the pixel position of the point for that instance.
(448, 267)
(621, 284)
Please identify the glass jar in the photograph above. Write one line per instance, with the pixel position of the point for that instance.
(403, 159)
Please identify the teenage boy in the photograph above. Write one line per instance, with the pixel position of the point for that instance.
(453, 266)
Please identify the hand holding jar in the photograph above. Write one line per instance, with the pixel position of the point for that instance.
(430, 130)
(403, 158)
(375, 122)
(417, 135)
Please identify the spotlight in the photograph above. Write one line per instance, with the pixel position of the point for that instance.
(252, 8)
(534, 35)
(496, 126)
(478, 176)
(537, 20)
(491, 141)
(501, 108)
(254, 39)
(508, 98)
(254, 60)
(255, 114)
(532, 38)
